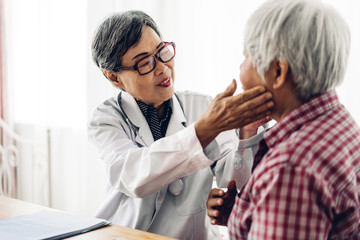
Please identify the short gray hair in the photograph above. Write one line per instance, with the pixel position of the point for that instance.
(310, 35)
(116, 34)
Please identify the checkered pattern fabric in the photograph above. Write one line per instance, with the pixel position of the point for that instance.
(307, 185)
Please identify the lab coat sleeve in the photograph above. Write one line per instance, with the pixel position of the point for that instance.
(138, 172)
(237, 163)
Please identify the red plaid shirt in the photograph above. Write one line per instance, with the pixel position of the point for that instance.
(307, 185)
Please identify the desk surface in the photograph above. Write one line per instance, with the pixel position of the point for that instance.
(10, 207)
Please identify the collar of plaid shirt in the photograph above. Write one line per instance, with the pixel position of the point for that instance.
(296, 119)
(300, 116)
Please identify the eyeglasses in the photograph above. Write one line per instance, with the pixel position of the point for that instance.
(147, 64)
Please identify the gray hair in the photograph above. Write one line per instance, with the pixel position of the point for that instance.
(310, 35)
(116, 35)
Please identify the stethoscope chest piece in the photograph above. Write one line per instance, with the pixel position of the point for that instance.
(176, 187)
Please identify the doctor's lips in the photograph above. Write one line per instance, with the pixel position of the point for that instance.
(165, 83)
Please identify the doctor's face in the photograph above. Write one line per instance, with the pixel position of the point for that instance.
(154, 87)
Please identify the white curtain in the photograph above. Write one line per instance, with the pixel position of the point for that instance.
(56, 86)
(46, 52)
(7, 148)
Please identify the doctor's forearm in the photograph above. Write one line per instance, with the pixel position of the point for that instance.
(205, 133)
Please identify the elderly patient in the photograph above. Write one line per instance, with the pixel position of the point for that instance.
(306, 174)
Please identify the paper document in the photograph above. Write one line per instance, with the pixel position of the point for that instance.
(47, 225)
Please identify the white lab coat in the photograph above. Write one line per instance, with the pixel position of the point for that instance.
(139, 173)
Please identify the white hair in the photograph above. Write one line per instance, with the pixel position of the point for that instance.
(310, 35)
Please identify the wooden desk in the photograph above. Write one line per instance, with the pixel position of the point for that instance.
(10, 207)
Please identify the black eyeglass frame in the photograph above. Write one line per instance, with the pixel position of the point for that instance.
(156, 56)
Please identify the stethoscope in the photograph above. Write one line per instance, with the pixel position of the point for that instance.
(176, 187)
(134, 130)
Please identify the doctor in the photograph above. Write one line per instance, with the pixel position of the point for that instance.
(161, 149)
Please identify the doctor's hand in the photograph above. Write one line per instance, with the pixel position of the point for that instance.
(229, 111)
(220, 204)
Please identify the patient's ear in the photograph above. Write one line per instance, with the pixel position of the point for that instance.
(282, 69)
(114, 78)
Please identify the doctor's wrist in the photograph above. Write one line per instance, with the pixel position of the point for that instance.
(204, 133)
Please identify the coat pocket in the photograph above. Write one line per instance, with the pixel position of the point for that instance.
(195, 191)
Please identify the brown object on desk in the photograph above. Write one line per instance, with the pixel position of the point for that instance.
(10, 207)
